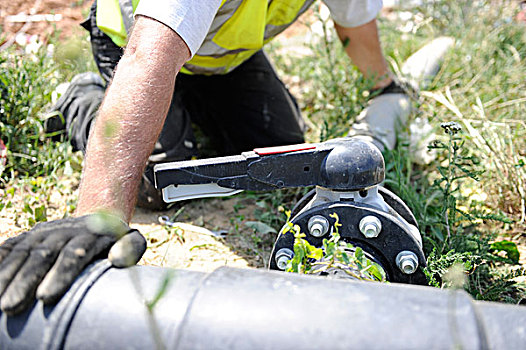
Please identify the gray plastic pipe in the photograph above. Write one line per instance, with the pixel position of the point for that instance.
(253, 309)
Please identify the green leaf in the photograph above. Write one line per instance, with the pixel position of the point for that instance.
(329, 250)
(358, 253)
(40, 213)
(161, 291)
(261, 204)
(314, 253)
(377, 272)
(345, 258)
(260, 227)
(512, 252)
(299, 251)
(27, 209)
(201, 246)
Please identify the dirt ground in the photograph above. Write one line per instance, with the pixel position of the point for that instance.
(193, 243)
(68, 16)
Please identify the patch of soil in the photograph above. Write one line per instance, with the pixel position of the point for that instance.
(192, 243)
(72, 14)
(204, 236)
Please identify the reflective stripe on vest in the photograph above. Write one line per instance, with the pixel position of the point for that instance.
(127, 10)
(239, 29)
(115, 18)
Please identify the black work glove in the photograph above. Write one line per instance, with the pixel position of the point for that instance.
(395, 87)
(45, 261)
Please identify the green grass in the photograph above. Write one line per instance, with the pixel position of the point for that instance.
(481, 86)
(36, 165)
(26, 86)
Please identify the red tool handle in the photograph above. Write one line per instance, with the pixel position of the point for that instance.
(284, 149)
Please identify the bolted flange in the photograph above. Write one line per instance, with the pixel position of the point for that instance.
(283, 256)
(370, 226)
(318, 226)
(407, 262)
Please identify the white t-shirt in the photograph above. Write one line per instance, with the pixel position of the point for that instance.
(191, 19)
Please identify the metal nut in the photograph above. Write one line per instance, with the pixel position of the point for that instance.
(283, 256)
(318, 226)
(370, 226)
(407, 262)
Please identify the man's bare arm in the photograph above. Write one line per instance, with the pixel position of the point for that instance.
(363, 47)
(388, 110)
(131, 118)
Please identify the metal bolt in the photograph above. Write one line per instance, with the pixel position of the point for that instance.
(370, 226)
(407, 262)
(283, 257)
(318, 226)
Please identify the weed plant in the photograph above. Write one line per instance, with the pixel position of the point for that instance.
(26, 86)
(35, 164)
(453, 235)
(482, 87)
(335, 257)
(479, 173)
(28, 79)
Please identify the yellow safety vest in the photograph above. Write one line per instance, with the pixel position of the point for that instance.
(243, 27)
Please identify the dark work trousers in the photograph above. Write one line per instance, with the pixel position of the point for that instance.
(246, 108)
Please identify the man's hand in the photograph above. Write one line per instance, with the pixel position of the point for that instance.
(45, 261)
(387, 112)
(390, 106)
